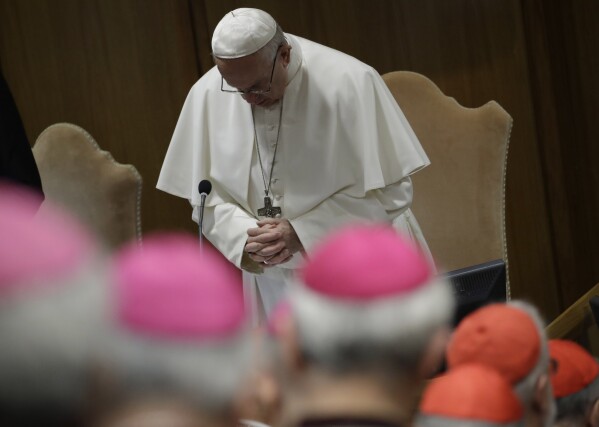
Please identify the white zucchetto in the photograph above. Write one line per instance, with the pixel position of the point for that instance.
(242, 32)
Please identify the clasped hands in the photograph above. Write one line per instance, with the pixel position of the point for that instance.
(273, 242)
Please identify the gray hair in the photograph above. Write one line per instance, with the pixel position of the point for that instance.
(525, 389)
(48, 333)
(271, 48)
(390, 333)
(207, 374)
(435, 421)
(575, 406)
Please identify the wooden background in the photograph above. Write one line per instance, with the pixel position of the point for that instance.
(121, 69)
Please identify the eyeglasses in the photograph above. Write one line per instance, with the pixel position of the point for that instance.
(252, 91)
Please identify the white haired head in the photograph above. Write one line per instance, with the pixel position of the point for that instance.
(510, 338)
(52, 306)
(368, 302)
(179, 325)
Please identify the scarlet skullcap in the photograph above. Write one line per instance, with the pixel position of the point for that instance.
(500, 336)
(169, 289)
(365, 262)
(471, 392)
(572, 367)
(242, 32)
(37, 248)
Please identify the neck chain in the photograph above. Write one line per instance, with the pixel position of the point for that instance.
(268, 210)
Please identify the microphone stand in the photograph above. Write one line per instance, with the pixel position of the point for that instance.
(201, 222)
(204, 188)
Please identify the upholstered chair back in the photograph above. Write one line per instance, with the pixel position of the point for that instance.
(76, 173)
(459, 200)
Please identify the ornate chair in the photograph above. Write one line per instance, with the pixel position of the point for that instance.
(79, 175)
(459, 200)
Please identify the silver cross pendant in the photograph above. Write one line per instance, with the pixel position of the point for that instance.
(269, 210)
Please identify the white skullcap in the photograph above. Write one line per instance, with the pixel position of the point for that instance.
(242, 32)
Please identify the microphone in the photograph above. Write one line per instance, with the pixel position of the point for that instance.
(204, 188)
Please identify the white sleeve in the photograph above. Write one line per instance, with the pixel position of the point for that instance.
(382, 205)
(390, 204)
(397, 201)
(396, 198)
(225, 226)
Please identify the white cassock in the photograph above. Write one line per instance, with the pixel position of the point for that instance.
(345, 154)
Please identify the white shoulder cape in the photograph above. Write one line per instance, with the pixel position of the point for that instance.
(341, 127)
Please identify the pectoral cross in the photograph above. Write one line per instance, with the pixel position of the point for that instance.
(269, 210)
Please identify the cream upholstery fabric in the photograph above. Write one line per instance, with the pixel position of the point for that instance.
(459, 199)
(76, 173)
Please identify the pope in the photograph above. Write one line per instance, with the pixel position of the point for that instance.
(297, 139)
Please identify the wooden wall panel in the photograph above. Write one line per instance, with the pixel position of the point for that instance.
(563, 38)
(119, 68)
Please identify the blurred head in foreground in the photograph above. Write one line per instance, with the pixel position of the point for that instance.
(470, 395)
(509, 338)
(367, 324)
(262, 401)
(575, 381)
(179, 337)
(52, 295)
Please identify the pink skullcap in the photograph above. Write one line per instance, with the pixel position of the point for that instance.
(500, 336)
(572, 367)
(365, 262)
(168, 288)
(37, 247)
(472, 392)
